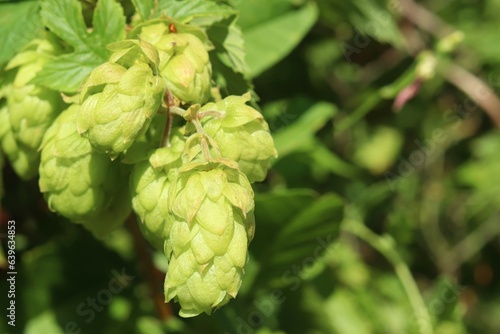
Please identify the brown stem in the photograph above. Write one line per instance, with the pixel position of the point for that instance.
(477, 90)
(165, 139)
(425, 19)
(154, 276)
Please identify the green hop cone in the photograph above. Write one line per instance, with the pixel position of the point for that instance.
(184, 62)
(209, 226)
(20, 159)
(79, 183)
(31, 108)
(120, 97)
(149, 187)
(241, 134)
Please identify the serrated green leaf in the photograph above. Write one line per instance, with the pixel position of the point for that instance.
(66, 72)
(64, 18)
(269, 42)
(109, 22)
(19, 24)
(206, 12)
(144, 8)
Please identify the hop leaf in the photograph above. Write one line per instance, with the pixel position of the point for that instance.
(209, 226)
(242, 135)
(120, 97)
(31, 109)
(184, 62)
(79, 183)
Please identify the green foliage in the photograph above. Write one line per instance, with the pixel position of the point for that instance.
(331, 164)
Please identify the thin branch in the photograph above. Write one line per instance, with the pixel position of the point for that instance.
(475, 241)
(386, 246)
(425, 19)
(477, 90)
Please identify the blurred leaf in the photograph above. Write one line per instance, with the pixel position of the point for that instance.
(482, 175)
(378, 152)
(300, 134)
(375, 18)
(325, 161)
(19, 24)
(44, 323)
(344, 315)
(318, 219)
(270, 41)
(300, 239)
(254, 12)
(144, 8)
(229, 81)
(276, 209)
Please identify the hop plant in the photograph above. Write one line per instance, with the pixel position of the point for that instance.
(189, 177)
(208, 228)
(31, 108)
(241, 134)
(184, 62)
(79, 183)
(120, 97)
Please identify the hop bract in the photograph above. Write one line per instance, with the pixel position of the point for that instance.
(242, 135)
(184, 62)
(31, 108)
(209, 226)
(120, 97)
(79, 183)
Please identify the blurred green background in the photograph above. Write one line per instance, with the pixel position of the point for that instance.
(381, 214)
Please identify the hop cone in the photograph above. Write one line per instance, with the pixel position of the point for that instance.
(21, 160)
(184, 62)
(209, 227)
(31, 108)
(79, 183)
(149, 187)
(120, 97)
(242, 135)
